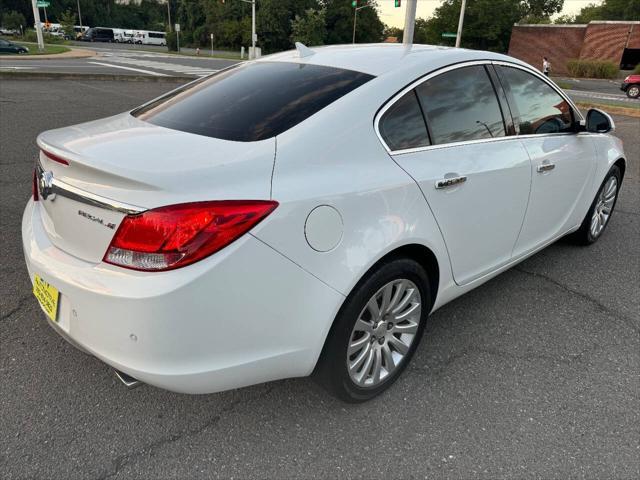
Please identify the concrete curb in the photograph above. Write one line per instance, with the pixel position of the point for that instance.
(22, 75)
(74, 53)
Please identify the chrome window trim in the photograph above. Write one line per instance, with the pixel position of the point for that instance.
(391, 101)
(63, 189)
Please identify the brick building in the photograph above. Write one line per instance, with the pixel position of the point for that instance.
(617, 42)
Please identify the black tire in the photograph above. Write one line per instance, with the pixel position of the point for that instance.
(583, 235)
(633, 91)
(331, 371)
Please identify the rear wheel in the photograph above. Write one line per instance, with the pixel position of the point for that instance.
(601, 209)
(633, 91)
(376, 332)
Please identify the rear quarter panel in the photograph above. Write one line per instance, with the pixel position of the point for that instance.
(335, 158)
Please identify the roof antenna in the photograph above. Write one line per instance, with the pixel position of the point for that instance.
(303, 50)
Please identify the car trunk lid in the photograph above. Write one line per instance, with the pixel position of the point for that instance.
(122, 165)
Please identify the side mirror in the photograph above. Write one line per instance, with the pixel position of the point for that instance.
(599, 121)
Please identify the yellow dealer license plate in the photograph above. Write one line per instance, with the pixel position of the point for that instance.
(47, 295)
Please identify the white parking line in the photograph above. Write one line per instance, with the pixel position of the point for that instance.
(156, 65)
(133, 69)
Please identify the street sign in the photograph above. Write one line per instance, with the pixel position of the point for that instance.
(177, 25)
(449, 35)
(41, 4)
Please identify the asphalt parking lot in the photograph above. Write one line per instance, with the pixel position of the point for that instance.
(536, 374)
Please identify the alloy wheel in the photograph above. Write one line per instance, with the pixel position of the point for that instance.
(384, 332)
(634, 92)
(604, 206)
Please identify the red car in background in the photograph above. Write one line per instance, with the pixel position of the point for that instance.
(631, 85)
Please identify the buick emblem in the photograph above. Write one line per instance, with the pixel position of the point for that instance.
(45, 185)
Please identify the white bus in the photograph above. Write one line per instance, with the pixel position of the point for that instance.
(150, 38)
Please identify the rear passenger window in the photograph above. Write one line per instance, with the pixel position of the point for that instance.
(402, 126)
(539, 108)
(461, 105)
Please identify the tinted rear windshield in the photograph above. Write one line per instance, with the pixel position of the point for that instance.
(253, 101)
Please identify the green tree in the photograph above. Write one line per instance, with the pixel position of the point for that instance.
(309, 29)
(13, 20)
(487, 23)
(339, 22)
(67, 21)
(564, 19)
(392, 32)
(610, 10)
(274, 22)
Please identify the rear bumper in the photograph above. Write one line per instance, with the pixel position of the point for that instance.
(624, 87)
(245, 315)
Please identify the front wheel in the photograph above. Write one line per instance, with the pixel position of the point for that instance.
(601, 209)
(633, 91)
(376, 332)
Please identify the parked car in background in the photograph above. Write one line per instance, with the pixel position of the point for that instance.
(120, 35)
(176, 243)
(9, 47)
(98, 34)
(151, 38)
(631, 86)
(128, 36)
(8, 31)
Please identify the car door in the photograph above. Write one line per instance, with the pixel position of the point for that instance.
(4, 46)
(562, 160)
(475, 178)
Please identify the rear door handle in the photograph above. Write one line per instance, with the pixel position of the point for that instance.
(545, 167)
(450, 182)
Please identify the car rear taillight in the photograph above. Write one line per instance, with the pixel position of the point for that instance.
(171, 237)
(55, 158)
(34, 186)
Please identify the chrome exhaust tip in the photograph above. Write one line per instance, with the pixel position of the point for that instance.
(128, 380)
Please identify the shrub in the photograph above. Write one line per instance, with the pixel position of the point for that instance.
(31, 36)
(592, 69)
(172, 41)
(637, 69)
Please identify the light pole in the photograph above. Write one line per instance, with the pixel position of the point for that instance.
(460, 23)
(409, 22)
(355, 17)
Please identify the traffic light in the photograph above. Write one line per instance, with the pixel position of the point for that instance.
(396, 3)
(354, 3)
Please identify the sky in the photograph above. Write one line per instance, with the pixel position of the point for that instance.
(395, 16)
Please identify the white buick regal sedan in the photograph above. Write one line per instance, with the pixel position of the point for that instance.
(304, 213)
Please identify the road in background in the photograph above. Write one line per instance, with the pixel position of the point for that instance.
(534, 374)
(115, 59)
(596, 90)
(149, 60)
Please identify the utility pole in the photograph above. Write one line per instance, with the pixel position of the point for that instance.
(254, 37)
(409, 22)
(460, 23)
(253, 27)
(36, 17)
(80, 17)
(169, 15)
(355, 17)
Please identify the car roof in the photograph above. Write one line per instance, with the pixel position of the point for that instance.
(381, 58)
